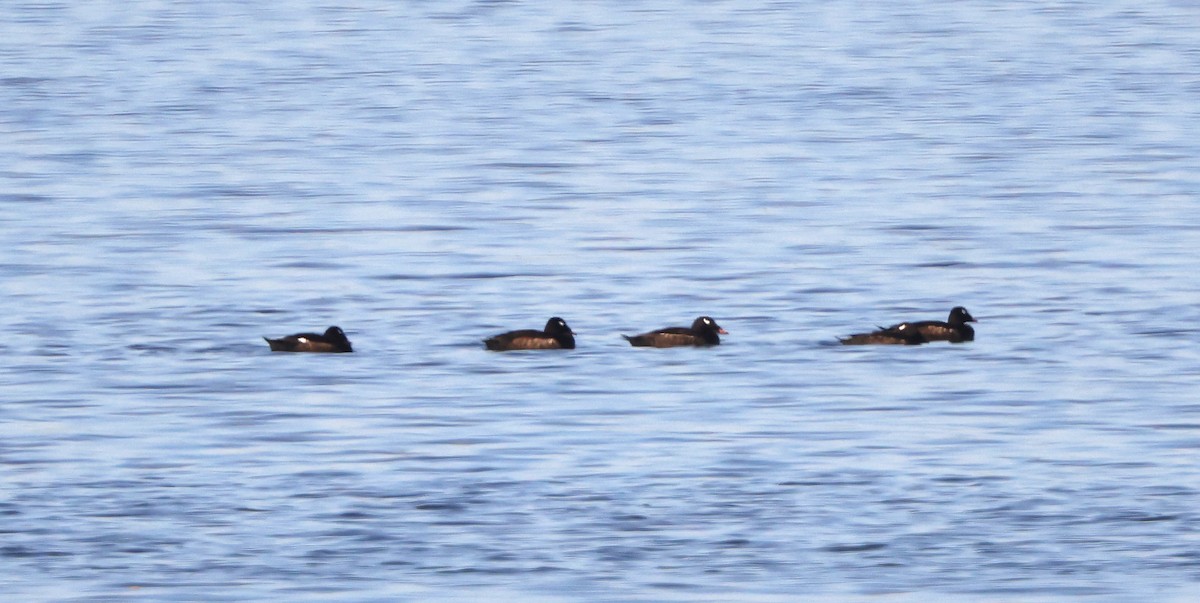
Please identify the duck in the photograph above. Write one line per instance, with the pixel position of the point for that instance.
(704, 332)
(954, 330)
(901, 334)
(556, 336)
(333, 341)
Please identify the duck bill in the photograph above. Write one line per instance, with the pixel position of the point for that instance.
(722, 331)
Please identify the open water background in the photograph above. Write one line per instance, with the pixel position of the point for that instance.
(182, 178)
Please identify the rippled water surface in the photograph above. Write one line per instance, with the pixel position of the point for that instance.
(181, 179)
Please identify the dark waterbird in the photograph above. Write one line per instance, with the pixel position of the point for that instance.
(954, 330)
(556, 336)
(704, 331)
(333, 341)
(901, 334)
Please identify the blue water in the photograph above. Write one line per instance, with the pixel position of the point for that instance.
(181, 179)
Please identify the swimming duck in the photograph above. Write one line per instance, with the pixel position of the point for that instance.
(704, 331)
(902, 334)
(333, 341)
(954, 330)
(556, 336)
